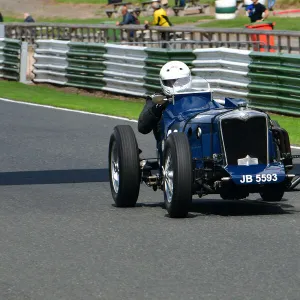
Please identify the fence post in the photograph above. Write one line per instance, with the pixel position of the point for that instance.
(23, 62)
(2, 31)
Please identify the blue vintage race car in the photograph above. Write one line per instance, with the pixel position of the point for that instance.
(206, 148)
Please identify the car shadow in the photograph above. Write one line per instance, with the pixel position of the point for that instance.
(54, 176)
(151, 204)
(239, 207)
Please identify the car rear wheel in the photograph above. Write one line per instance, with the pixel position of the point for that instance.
(124, 166)
(272, 193)
(177, 175)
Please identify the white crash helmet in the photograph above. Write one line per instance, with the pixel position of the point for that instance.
(175, 71)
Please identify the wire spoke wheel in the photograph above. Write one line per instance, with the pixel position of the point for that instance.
(177, 175)
(114, 164)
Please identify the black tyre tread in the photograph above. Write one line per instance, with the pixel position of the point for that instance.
(272, 193)
(129, 185)
(182, 182)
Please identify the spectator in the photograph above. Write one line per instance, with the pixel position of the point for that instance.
(180, 2)
(30, 32)
(257, 12)
(160, 18)
(28, 18)
(128, 19)
(1, 17)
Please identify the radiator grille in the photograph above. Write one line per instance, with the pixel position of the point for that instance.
(242, 137)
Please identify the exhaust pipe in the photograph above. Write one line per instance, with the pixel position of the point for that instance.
(295, 183)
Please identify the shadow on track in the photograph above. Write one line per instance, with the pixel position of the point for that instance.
(230, 207)
(54, 176)
(239, 207)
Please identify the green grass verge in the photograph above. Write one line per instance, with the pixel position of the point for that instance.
(129, 109)
(50, 96)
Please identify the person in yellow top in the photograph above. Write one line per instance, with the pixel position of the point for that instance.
(160, 18)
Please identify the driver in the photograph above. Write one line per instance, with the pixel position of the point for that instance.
(175, 76)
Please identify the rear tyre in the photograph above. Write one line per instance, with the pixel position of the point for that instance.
(124, 166)
(272, 193)
(177, 179)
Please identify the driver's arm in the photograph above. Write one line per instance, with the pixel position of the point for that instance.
(149, 116)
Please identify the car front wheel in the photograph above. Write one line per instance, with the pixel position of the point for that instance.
(177, 175)
(272, 193)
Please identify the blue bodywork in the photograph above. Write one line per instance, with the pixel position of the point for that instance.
(199, 117)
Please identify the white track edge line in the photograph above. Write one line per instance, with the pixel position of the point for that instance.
(81, 112)
(67, 109)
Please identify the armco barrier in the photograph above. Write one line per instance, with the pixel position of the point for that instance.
(51, 62)
(269, 81)
(275, 82)
(85, 65)
(125, 69)
(225, 69)
(10, 51)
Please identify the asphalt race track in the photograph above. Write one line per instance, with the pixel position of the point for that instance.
(61, 237)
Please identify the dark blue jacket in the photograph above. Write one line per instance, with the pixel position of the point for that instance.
(29, 19)
(128, 19)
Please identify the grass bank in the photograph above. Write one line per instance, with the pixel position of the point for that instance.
(51, 96)
(104, 105)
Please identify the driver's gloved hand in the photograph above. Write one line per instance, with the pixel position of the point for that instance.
(157, 109)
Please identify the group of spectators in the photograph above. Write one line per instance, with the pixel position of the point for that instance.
(27, 18)
(160, 18)
(256, 12)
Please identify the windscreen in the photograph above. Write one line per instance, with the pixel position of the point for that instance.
(188, 84)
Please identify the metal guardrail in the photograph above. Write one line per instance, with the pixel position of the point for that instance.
(275, 79)
(284, 41)
(268, 80)
(10, 59)
(225, 69)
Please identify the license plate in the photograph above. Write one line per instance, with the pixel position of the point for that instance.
(259, 178)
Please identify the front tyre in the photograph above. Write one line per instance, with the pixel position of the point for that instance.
(177, 175)
(272, 193)
(124, 166)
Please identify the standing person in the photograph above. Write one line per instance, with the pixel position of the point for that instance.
(1, 17)
(128, 19)
(160, 18)
(28, 18)
(257, 12)
(30, 31)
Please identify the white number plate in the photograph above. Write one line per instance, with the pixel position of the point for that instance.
(259, 178)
